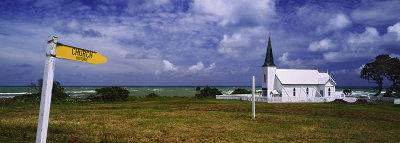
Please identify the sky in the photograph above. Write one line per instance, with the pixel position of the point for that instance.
(195, 42)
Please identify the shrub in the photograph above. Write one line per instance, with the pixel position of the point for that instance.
(241, 91)
(92, 97)
(152, 95)
(112, 94)
(35, 97)
(57, 92)
(208, 92)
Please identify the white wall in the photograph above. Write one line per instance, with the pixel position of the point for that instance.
(329, 85)
(264, 73)
(271, 78)
(278, 85)
(321, 87)
(301, 92)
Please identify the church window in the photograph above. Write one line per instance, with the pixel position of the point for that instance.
(329, 91)
(265, 78)
(294, 91)
(307, 91)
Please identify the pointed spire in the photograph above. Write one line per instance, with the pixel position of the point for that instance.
(269, 58)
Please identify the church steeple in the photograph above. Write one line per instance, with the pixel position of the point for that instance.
(269, 58)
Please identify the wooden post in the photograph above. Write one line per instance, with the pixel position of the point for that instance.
(47, 86)
(253, 90)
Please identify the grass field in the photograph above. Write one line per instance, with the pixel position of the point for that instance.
(202, 120)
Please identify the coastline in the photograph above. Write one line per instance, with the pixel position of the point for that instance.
(83, 91)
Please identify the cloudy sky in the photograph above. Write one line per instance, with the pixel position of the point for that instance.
(195, 42)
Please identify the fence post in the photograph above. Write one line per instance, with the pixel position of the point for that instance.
(253, 90)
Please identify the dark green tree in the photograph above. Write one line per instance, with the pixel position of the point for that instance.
(112, 93)
(57, 92)
(197, 90)
(393, 74)
(376, 71)
(152, 95)
(209, 92)
(383, 67)
(241, 91)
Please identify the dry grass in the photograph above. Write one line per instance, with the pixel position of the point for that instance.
(193, 120)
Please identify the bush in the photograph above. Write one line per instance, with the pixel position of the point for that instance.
(208, 92)
(241, 91)
(57, 92)
(152, 95)
(112, 94)
(92, 97)
(34, 97)
(347, 91)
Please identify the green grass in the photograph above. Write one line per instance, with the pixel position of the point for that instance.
(201, 120)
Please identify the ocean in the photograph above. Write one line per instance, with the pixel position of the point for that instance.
(84, 91)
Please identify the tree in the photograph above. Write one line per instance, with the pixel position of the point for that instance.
(376, 70)
(57, 92)
(197, 90)
(209, 92)
(112, 93)
(152, 95)
(393, 74)
(241, 91)
(383, 67)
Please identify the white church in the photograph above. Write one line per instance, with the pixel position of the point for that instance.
(290, 85)
(294, 85)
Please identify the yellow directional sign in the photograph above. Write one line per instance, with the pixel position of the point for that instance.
(77, 54)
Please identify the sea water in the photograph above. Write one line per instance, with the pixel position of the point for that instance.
(84, 91)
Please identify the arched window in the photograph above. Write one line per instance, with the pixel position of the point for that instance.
(329, 91)
(307, 91)
(265, 78)
(294, 91)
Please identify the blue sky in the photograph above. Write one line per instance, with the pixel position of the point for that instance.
(199, 42)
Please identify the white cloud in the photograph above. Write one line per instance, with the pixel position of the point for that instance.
(168, 66)
(355, 71)
(172, 69)
(148, 5)
(195, 68)
(358, 45)
(339, 22)
(231, 45)
(358, 70)
(342, 71)
(212, 66)
(240, 70)
(238, 12)
(199, 67)
(370, 35)
(367, 44)
(247, 43)
(377, 12)
(333, 57)
(323, 45)
(395, 29)
(284, 60)
(394, 55)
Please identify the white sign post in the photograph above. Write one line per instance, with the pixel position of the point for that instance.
(66, 52)
(45, 99)
(253, 90)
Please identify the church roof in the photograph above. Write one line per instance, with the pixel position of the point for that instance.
(269, 58)
(297, 76)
